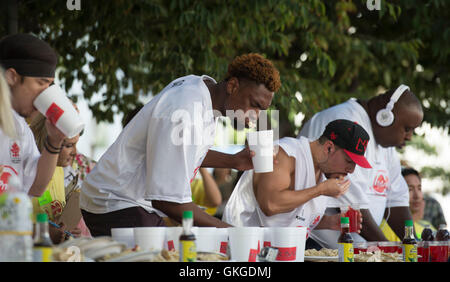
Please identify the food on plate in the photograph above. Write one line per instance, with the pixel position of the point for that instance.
(324, 252)
(378, 256)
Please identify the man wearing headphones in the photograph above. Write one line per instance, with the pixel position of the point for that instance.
(381, 191)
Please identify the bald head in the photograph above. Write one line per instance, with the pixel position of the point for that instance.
(408, 114)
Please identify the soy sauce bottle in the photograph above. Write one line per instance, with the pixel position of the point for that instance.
(409, 243)
(42, 245)
(345, 242)
(188, 250)
(427, 234)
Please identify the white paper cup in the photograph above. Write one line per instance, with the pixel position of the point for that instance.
(206, 239)
(172, 241)
(222, 235)
(58, 109)
(123, 235)
(244, 243)
(290, 242)
(268, 236)
(150, 238)
(261, 142)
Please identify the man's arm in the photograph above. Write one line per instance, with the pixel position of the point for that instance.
(274, 193)
(397, 218)
(175, 212)
(47, 162)
(240, 161)
(370, 230)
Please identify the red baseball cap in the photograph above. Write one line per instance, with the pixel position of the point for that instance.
(351, 137)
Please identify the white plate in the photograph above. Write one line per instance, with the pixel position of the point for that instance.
(321, 258)
(95, 243)
(112, 248)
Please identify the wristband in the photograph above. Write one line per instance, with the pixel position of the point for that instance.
(51, 146)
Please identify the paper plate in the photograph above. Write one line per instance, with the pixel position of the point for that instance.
(321, 258)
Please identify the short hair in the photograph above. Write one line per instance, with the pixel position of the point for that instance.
(409, 170)
(256, 68)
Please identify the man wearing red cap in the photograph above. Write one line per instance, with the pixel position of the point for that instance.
(29, 65)
(380, 191)
(305, 175)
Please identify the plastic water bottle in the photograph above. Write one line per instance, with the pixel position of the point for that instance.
(16, 226)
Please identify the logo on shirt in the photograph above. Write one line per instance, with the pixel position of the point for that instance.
(380, 182)
(14, 152)
(178, 83)
(4, 177)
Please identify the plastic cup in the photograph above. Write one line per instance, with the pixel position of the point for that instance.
(390, 247)
(244, 243)
(124, 235)
(290, 242)
(423, 251)
(172, 240)
(359, 247)
(261, 142)
(206, 239)
(53, 103)
(222, 234)
(150, 238)
(352, 212)
(268, 236)
(438, 251)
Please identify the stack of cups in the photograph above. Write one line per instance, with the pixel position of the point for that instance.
(150, 238)
(244, 243)
(124, 235)
(206, 239)
(172, 240)
(290, 242)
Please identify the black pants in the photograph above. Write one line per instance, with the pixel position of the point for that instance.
(101, 224)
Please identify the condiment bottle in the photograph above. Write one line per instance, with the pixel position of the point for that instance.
(188, 250)
(345, 242)
(409, 243)
(442, 234)
(42, 247)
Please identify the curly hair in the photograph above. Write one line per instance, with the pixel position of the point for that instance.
(256, 68)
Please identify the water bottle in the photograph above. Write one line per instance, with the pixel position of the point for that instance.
(16, 226)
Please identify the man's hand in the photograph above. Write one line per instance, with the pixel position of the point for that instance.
(334, 187)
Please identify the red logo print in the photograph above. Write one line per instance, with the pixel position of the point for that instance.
(53, 113)
(15, 150)
(287, 254)
(363, 143)
(380, 182)
(333, 136)
(223, 247)
(195, 173)
(4, 181)
(170, 245)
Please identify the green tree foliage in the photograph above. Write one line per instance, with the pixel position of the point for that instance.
(328, 50)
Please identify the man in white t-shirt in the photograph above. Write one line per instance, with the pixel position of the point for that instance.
(146, 173)
(29, 65)
(381, 189)
(305, 176)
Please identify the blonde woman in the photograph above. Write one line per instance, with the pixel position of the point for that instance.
(6, 115)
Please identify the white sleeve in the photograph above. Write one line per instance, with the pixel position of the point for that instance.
(398, 192)
(171, 164)
(30, 161)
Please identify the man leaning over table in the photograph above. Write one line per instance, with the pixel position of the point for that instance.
(381, 191)
(306, 174)
(146, 173)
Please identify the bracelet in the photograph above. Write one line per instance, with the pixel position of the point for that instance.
(51, 146)
(50, 151)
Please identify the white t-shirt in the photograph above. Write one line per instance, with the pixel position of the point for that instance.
(149, 160)
(19, 156)
(242, 208)
(377, 188)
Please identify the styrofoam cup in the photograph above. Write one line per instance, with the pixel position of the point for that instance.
(123, 235)
(290, 242)
(244, 243)
(150, 238)
(172, 240)
(261, 142)
(268, 236)
(222, 235)
(206, 239)
(54, 104)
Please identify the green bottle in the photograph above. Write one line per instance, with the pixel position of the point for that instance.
(345, 242)
(42, 244)
(188, 249)
(409, 243)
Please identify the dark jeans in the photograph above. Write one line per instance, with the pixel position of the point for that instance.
(101, 224)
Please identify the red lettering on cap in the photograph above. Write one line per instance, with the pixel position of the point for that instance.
(333, 136)
(361, 142)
